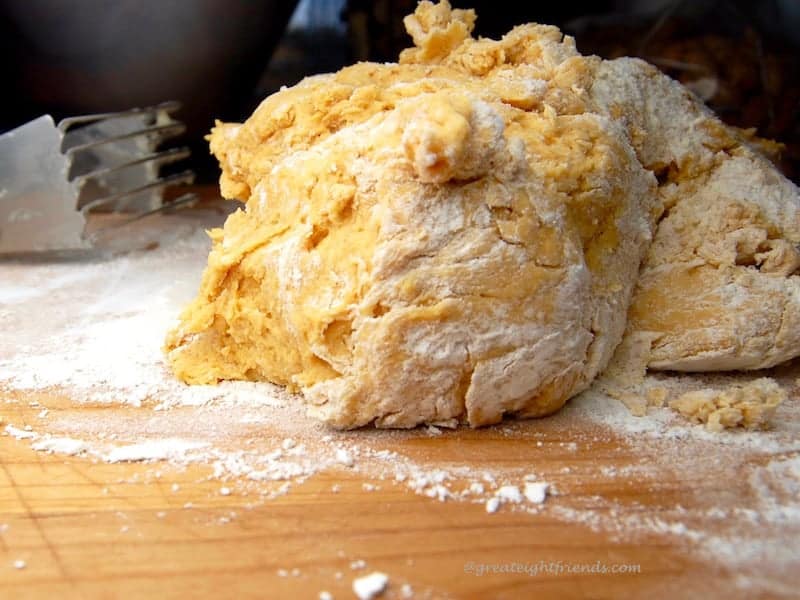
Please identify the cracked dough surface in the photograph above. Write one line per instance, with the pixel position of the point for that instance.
(458, 236)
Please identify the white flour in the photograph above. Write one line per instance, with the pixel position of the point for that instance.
(89, 334)
(370, 586)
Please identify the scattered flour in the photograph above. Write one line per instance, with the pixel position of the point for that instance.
(20, 434)
(152, 450)
(93, 331)
(509, 493)
(60, 445)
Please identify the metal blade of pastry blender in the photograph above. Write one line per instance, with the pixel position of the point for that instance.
(38, 209)
(52, 176)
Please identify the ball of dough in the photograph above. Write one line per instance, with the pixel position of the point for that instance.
(435, 241)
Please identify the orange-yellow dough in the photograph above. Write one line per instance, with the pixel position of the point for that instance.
(448, 239)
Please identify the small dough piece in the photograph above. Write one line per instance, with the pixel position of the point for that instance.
(750, 406)
(656, 396)
(452, 238)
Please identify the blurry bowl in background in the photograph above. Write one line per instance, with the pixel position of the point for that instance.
(70, 58)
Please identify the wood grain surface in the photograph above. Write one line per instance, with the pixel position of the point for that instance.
(89, 529)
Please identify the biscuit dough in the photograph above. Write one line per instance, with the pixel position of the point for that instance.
(448, 239)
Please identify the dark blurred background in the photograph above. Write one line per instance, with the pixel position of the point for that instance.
(220, 58)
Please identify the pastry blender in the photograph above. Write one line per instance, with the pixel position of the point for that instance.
(53, 175)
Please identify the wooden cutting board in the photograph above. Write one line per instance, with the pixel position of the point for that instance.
(89, 529)
(73, 526)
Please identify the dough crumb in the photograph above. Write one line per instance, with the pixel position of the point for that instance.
(343, 457)
(749, 406)
(633, 401)
(492, 505)
(536, 491)
(433, 430)
(656, 397)
(370, 586)
(509, 493)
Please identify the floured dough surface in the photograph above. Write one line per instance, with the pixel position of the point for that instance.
(448, 239)
(720, 287)
(445, 240)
